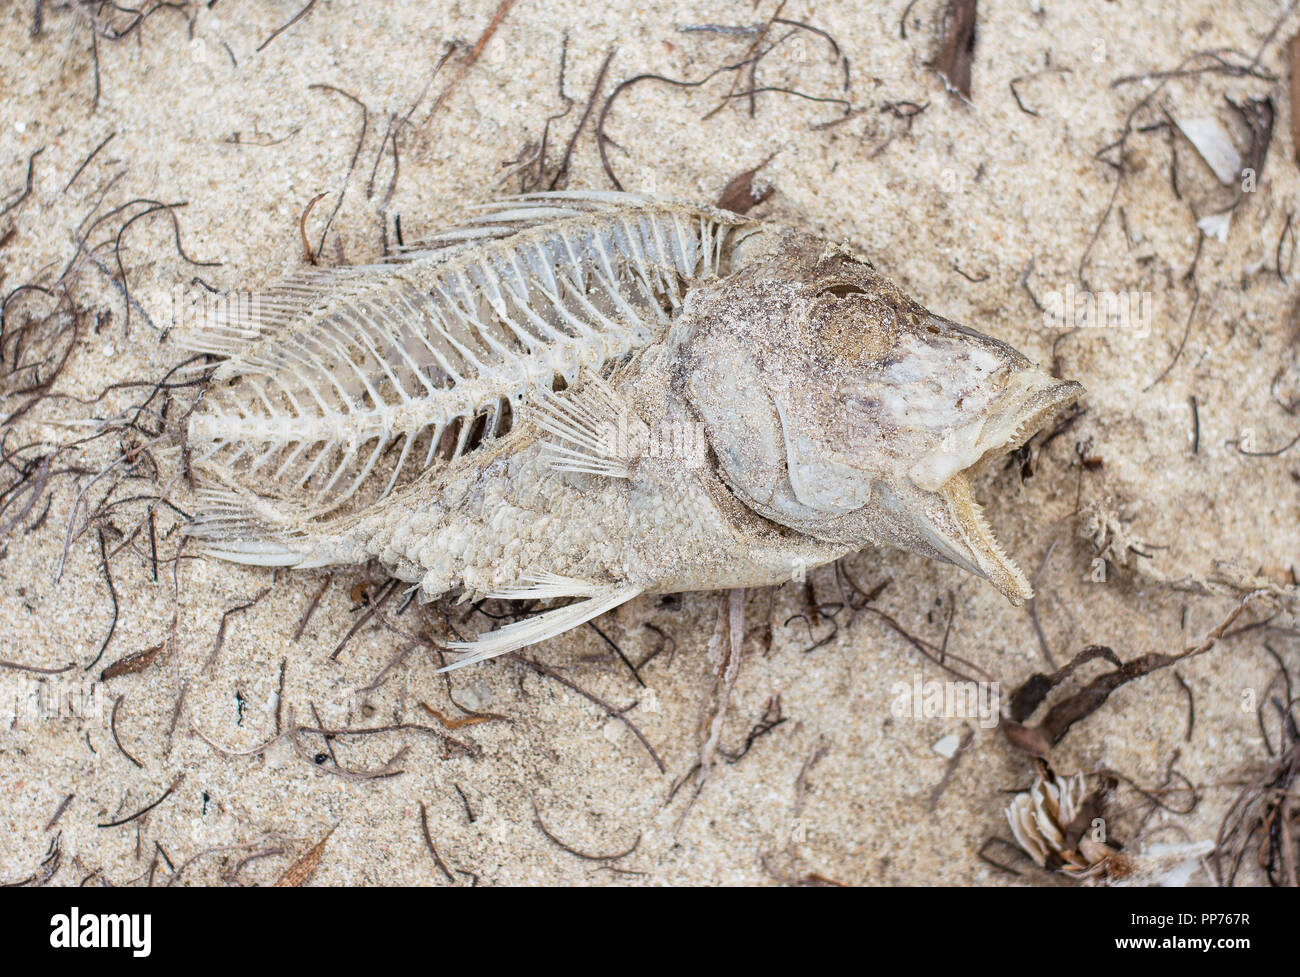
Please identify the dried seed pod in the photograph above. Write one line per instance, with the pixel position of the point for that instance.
(1059, 825)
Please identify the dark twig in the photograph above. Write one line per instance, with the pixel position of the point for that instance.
(967, 738)
(1031, 606)
(112, 593)
(502, 9)
(1191, 707)
(145, 810)
(25, 192)
(619, 652)
(375, 604)
(58, 812)
(618, 714)
(433, 850)
(562, 169)
(352, 165)
(86, 162)
(289, 23)
(220, 639)
(112, 725)
(37, 670)
(311, 607)
(1187, 331)
(541, 826)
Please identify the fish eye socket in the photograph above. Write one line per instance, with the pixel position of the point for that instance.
(842, 290)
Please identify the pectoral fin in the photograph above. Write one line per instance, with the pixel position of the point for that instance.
(540, 627)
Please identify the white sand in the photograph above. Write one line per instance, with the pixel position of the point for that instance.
(985, 187)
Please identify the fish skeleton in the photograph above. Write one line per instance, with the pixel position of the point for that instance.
(588, 396)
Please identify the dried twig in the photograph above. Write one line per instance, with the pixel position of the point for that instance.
(541, 826)
(613, 713)
(58, 812)
(433, 850)
(112, 725)
(968, 737)
(287, 24)
(146, 809)
(502, 9)
(220, 639)
(311, 607)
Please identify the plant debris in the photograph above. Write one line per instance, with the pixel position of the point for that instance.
(1293, 60)
(1037, 740)
(135, 662)
(1061, 826)
(957, 46)
(739, 196)
(1263, 820)
(298, 873)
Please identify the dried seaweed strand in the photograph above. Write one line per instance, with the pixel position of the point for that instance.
(613, 713)
(433, 850)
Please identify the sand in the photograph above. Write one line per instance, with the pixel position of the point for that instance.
(979, 209)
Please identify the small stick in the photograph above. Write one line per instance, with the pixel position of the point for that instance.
(311, 607)
(307, 251)
(541, 826)
(618, 651)
(292, 20)
(58, 813)
(112, 592)
(86, 162)
(221, 630)
(145, 810)
(949, 770)
(385, 592)
(541, 669)
(1191, 707)
(37, 670)
(472, 57)
(428, 841)
(112, 726)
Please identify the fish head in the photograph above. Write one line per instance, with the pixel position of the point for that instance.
(839, 407)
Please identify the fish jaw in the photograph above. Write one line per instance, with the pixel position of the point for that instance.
(1030, 400)
(940, 503)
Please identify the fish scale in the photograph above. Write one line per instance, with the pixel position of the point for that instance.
(611, 395)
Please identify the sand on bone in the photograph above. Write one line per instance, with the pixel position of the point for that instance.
(955, 205)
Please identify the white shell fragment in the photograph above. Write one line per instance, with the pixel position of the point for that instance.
(1216, 225)
(947, 746)
(1211, 141)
